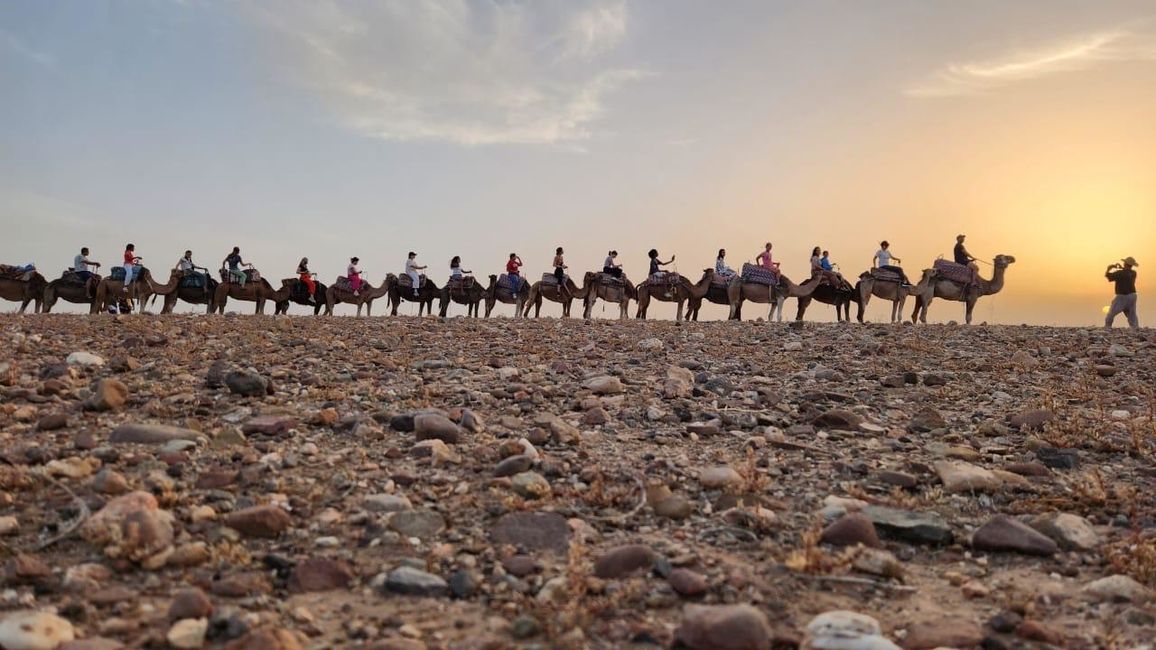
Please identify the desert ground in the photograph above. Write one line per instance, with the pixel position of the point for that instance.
(405, 483)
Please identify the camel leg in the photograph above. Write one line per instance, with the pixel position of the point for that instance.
(970, 306)
(678, 317)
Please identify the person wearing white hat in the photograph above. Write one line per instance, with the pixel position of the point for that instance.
(1124, 275)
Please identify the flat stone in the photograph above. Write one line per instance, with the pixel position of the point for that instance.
(724, 627)
(269, 425)
(513, 465)
(687, 583)
(959, 476)
(623, 560)
(604, 385)
(52, 422)
(422, 524)
(534, 531)
(1117, 589)
(904, 525)
(845, 630)
(531, 485)
(415, 582)
(84, 360)
(260, 521)
(431, 426)
(1071, 532)
(838, 419)
(247, 384)
(1057, 458)
(320, 574)
(34, 631)
(1028, 469)
(943, 632)
(716, 478)
(107, 395)
(151, 434)
(926, 420)
(1032, 420)
(190, 603)
(386, 503)
(850, 530)
(674, 507)
(1004, 533)
(188, 634)
(898, 479)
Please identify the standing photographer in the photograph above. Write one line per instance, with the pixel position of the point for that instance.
(1125, 301)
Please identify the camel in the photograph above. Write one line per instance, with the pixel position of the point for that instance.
(718, 294)
(194, 295)
(365, 296)
(840, 297)
(678, 293)
(111, 291)
(25, 291)
(595, 289)
(495, 294)
(739, 290)
(468, 292)
(300, 295)
(70, 290)
(258, 291)
(951, 290)
(895, 292)
(552, 292)
(425, 298)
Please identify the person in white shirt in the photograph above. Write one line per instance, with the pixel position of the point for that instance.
(185, 264)
(411, 269)
(611, 265)
(456, 272)
(81, 263)
(721, 269)
(884, 257)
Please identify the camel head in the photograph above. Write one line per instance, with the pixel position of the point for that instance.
(927, 276)
(1004, 260)
(493, 278)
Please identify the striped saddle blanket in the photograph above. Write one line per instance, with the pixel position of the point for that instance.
(406, 282)
(756, 274)
(116, 273)
(951, 271)
(342, 283)
(665, 279)
(885, 275)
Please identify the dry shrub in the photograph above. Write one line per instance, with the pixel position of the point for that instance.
(1135, 557)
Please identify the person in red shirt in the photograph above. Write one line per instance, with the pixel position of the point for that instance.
(513, 272)
(130, 262)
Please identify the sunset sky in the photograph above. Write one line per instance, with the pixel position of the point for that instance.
(332, 129)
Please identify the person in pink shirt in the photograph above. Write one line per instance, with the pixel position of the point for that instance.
(764, 259)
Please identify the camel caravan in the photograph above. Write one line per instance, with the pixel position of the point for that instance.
(760, 282)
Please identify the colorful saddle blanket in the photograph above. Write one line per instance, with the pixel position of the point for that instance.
(407, 282)
(756, 274)
(951, 271)
(342, 283)
(251, 275)
(885, 275)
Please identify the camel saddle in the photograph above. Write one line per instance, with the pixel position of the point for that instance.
(192, 280)
(548, 278)
(21, 273)
(611, 281)
(116, 274)
(506, 283)
(464, 283)
(70, 276)
(885, 275)
(665, 279)
(948, 270)
(756, 274)
(406, 282)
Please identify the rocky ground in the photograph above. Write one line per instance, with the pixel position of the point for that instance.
(402, 483)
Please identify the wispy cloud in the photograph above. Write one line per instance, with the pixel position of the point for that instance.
(1076, 54)
(18, 46)
(461, 71)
